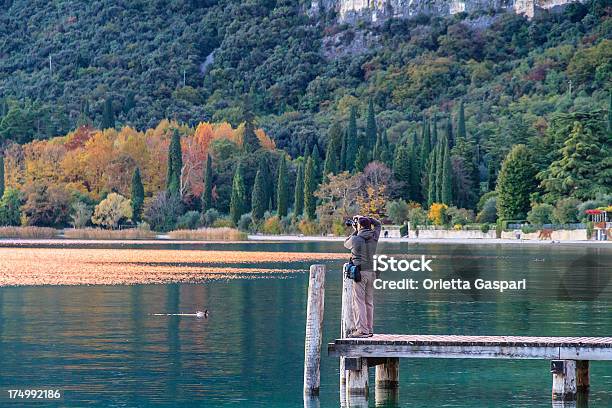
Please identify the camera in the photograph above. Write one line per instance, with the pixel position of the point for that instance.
(349, 222)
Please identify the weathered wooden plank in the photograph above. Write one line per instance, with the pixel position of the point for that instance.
(392, 339)
(509, 347)
(314, 328)
(411, 351)
(586, 353)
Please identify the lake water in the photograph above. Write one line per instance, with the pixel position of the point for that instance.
(100, 345)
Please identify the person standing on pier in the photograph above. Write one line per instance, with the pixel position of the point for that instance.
(362, 243)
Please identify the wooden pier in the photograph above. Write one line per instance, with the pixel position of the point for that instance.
(569, 356)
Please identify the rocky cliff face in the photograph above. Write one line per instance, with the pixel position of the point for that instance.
(375, 11)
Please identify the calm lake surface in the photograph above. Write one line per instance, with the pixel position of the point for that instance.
(100, 345)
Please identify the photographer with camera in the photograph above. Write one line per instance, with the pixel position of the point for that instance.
(362, 244)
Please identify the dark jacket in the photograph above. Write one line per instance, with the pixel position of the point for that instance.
(363, 245)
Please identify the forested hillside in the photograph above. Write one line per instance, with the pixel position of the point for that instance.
(423, 111)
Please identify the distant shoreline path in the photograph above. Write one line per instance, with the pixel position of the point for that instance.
(161, 240)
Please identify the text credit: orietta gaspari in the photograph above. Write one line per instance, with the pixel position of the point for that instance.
(423, 264)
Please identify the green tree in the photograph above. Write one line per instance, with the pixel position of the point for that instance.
(238, 204)
(316, 158)
(175, 165)
(424, 165)
(137, 196)
(310, 187)
(401, 171)
(343, 147)
(583, 167)
(331, 165)
(282, 189)
(461, 132)
(111, 211)
(371, 131)
(1, 176)
(515, 183)
(447, 182)
(108, 114)
(10, 207)
(362, 159)
(298, 197)
(431, 177)
(250, 141)
(434, 131)
(208, 186)
(351, 141)
(259, 201)
(449, 133)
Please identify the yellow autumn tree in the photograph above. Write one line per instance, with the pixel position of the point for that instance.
(437, 213)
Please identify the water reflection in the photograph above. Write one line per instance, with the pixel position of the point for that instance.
(100, 345)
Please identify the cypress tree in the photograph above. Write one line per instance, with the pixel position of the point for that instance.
(361, 161)
(415, 176)
(461, 133)
(351, 141)
(434, 131)
(371, 130)
(424, 165)
(250, 142)
(378, 148)
(401, 171)
(491, 175)
(259, 203)
(1, 176)
(316, 158)
(449, 133)
(298, 197)
(108, 115)
(238, 198)
(431, 177)
(282, 190)
(343, 147)
(207, 190)
(515, 183)
(175, 164)
(387, 152)
(610, 116)
(439, 170)
(137, 196)
(331, 165)
(447, 180)
(309, 189)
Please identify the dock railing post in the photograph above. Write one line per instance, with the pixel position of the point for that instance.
(314, 329)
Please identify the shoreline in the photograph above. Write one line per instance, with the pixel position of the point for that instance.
(164, 240)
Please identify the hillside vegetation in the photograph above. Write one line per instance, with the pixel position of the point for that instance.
(254, 114)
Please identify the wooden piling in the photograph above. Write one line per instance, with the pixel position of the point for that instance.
(564, 380)
(353, 380)
(582, 376)
(314, 329)
(387, 374)
(347, 322)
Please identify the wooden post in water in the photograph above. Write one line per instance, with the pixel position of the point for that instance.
(353, 379)
(564, 380)
(346, 323)
(314, 329)
(582, 376)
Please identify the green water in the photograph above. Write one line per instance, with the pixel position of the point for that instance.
(100, 346)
